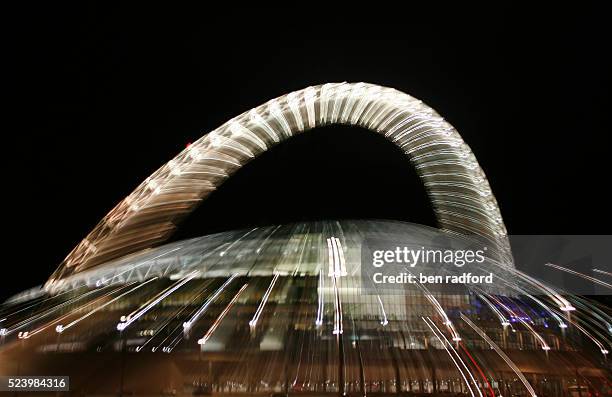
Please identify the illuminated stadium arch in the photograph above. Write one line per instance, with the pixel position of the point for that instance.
(457, 186)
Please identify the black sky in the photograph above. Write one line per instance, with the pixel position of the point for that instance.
(100, 99)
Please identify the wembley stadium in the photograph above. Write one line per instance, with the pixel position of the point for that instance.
(283, 309)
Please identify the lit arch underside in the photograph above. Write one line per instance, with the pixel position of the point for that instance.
(457, 186)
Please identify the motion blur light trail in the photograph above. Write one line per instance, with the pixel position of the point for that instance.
(311, 331)
(586, 277)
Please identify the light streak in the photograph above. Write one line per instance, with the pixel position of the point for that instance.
(458, 356)
(299, 262)
(484, 378)
(594, 312)
(584, 276)
(214, 326)
(504, 321)
(159, 329)
(259, 310)
(187, 324)
(337, 269)
(602, 272)
(547, 292)
(229, 247)
(543, 343)
(38, 302)
(179, 325)
(563, 303)
(321, 301)
(501, 353)
(61, 328)
(337, 263)
(265, 241)
(560, 321)
(600, 345)
(126, 321)
(384, 320)
(338, 327)
(449, 324)
(467, 383)
(38, 330)
(46, 313)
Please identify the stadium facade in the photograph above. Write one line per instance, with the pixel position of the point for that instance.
(283, 309)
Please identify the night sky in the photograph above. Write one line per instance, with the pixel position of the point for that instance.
(99, 99)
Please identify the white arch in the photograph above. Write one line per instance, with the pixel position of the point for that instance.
(457, 186)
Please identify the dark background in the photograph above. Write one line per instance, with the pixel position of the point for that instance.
(99, 99)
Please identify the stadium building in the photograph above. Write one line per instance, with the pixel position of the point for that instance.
(284, 309)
